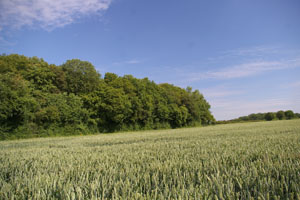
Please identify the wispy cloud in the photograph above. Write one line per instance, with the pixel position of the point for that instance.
(5, 42)
(229, 109)
(220, 92)
(230, 100)
(132, 62)
(126, 62)
(47, 14)
(253, 51)
(262, 52)
(243, 70)
(291, 85)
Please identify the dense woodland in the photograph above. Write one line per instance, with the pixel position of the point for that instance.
(41, 99)
(269, 116)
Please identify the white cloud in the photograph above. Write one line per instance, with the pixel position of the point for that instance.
(220, 92)
(250, 52)
(132, 62)
(47, 14)
(293, 85)
(126, 62)
(232, 101)
(244, 70)
(253, 51)
(4, 42)
(229, 109)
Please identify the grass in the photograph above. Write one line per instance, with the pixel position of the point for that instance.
(258, 160)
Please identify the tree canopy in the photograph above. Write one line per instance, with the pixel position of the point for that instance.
(269, 116)
(37, 99)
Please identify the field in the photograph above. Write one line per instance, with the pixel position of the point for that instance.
(258, 160)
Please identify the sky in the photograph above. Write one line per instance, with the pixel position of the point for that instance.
(242, 55)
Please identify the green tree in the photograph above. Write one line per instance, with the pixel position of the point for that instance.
(280, 115)
(270, 116)
(41, 75)
(110, 77)
(17, 104)
(289, 114)
(81, 76)
(202, 107)
(62, 110)
(44, 99)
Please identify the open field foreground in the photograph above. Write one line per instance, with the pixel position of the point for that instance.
(235, 161)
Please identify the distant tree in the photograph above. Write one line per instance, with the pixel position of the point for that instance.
(270, 116)
(256, 117)
(289, 114)
(261, 116)
(280, 115)
(243, 118)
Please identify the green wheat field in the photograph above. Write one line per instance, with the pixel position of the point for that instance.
(258, 160)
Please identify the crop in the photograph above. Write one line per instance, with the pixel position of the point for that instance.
(258, 160)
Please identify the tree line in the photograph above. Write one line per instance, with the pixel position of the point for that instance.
(41, 99)
(269, 116)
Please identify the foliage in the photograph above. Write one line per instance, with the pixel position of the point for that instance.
(17, 105)
(289, 114)
(235, 161)
(81, 76)
(270, 116)
(38, 99)
(280, 115)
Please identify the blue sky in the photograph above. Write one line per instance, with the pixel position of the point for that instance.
(243, 55)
